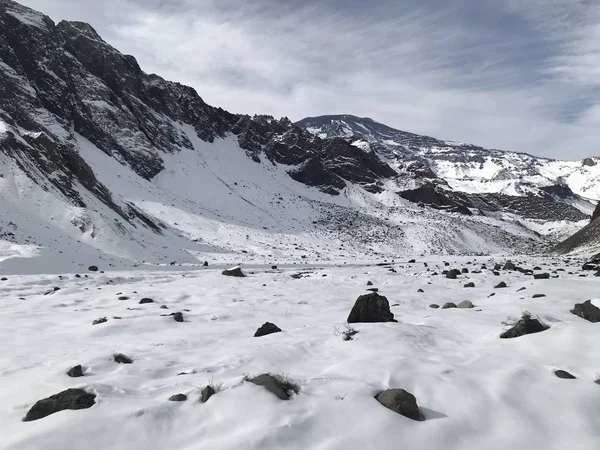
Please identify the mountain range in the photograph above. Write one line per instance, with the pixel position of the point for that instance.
(102, 163)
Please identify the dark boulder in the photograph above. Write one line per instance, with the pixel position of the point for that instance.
(469, 285)
(541, 276)
(420, 291)
(538, 295)
(178, 317)
(465, 270)
(267, 328)
(207, 393)
(434, 306)
(449, 305)
(564, 375)
(452, 274)
(146, 300)
(526, 325)
(401, 402)
(465, 305)
(271, 384)
(123, 297)
(587, 311)
(93, 268)
(69, 399)
(371, 308)
(122, 359)
(178, 398)
(75, 372)
(500, 285)
(99, 321)
(233, 272)
(369, 283)
(510, 266)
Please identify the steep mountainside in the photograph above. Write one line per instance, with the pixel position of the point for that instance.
(103, 163)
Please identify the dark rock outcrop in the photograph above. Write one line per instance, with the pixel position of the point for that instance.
(69, 399)
(371, 308)
(401, 402)
(234, 272)
(207, 393)
(75, 372)
(267, 328)
(271, 384)
(526, 325)
(587, 311)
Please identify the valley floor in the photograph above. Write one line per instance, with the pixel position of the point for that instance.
(476, 391)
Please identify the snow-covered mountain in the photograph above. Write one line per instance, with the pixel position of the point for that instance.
(102, 163)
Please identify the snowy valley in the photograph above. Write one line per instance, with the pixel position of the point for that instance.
(182, 277)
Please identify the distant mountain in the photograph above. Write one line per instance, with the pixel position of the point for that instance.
(102, 163)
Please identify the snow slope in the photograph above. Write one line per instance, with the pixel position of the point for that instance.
(475, 390)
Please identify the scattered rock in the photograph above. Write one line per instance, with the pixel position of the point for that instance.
(93, 268)
(273, 267)
(541, 276)
(373, 289)
(207, 393)
(100, 320)
(537, 268)
(452, 274)
(500, 285)
(564, 375)
(146, 300)
(75, 372)
(510, 266)
(434, 306)
(178, 317)
(538, 295)
(449, 305)
(412, 261)
(234, 272)
(521, 289)
(465, 270)
(3, 279)
(205, 264)
(69, 399)
(122, 359)
(371, 308)
(271, 384)
(369, 283)
(526, 325)
(496, 273)
(123, 297)
(164, 307)
(420, 291)
(267, 328)
(465, 304)
(178, 398)
(401, 402)
(587, 311)
(469, 285)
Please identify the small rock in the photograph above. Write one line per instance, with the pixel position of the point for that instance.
(178, 398)
(434, 306)
(469, 285)
(178, 317)
(267, 328)
(75, 372)
(564, 375)
(123, 297)
(100, 320)
(420, 291)
(401, 402)
(465, 270)
(526, 325)
(521, 289)
(369, 283)
(93, 268)
(122, 359)
(164, 307)
(510, 266)
(205, 264)
(500, 285)
(449, 305)
(412, 261)
(465, 304)
(69, 399)
(538, 295)
(234, 272)
(271, 384)
(541, 276)
(146, 300)
(206, 393)
(587, 310)
(371, 308)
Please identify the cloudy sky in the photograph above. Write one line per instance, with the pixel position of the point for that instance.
(512, 74)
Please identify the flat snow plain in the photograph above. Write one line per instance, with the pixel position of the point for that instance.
(477, 391)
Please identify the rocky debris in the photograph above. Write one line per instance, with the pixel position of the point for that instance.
(538, 295)
(452, 274)
(207, 393)
(500, 285)
(401, 402)
(100, 320)
(465, 304)
(146, 300)
(234, 272)
(371, 308)
(510, 266)
(526, 325)
(178, 398)
(178, 317)
(541, 276)
(75, 371)
(271, 384)
(469, 285)
(69, 399)
(449, 305)
(434, 306)
(587, 310)
(267, 328)
(564, 375)
(122, 359)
